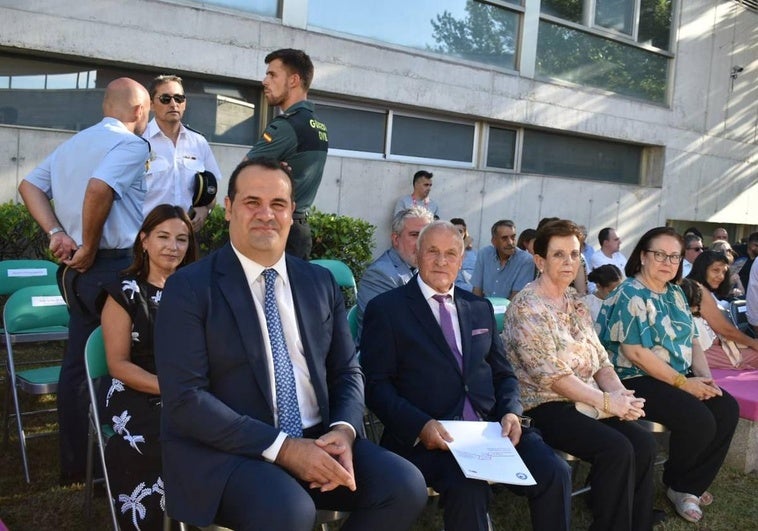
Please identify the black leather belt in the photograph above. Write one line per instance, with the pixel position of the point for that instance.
(114, 253)
(300, 217)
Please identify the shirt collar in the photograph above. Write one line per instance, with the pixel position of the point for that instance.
(153, 129)
(253, 269)
(428, 292)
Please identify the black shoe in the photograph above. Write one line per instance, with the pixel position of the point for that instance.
(659, 516)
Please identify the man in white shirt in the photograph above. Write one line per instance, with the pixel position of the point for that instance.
(177, 153)
(693, 246)
(610, 243)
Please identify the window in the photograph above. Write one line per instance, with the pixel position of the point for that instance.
(501, 148)
(60, 95)
(587, 59)
(563, 155)
(354, 129)
(267, 8)
(432, 139)
(466, 29)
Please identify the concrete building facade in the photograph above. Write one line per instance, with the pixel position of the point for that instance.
(687, 153)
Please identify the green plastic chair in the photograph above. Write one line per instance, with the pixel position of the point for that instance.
(342, 275)
(32, 314)
(352, 321)
(17, 274)
(499, 304)
(97, 367)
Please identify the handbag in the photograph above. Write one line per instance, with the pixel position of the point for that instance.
(591, 411)
(732, 351)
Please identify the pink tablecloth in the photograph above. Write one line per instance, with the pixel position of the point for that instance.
(742, 385)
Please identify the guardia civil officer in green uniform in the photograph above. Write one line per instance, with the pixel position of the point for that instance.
(296, 137)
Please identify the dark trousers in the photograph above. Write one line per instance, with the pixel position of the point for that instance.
(262, 496)
(701, 431)
(622, 456)
(466, 501)
(299, 242)
(81, 292)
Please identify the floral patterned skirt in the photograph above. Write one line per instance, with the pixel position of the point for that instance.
(133, 457)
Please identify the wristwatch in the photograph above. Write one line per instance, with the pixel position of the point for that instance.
(55, 230)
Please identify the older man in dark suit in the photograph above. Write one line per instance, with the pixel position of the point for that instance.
(261, 389)
(431, 352)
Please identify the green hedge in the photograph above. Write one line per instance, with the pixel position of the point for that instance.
(20, 236)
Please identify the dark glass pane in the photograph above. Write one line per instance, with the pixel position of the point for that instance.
(501, 148)
(566, 9)
(581, 158)
(615, 14)
(353, 129)
(579, 57)
(655, 23)
(432, 139)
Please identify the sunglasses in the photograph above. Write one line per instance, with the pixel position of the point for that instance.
(165, 99)
(698, 249)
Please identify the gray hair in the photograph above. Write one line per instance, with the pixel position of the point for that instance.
(440, 225)
(398, 220)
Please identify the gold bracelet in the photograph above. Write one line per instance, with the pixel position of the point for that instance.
(679, 380)
(606, 402)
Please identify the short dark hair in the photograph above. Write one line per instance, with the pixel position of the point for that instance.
(690, 238)
(261, 162)
(296, 62)
(699, 272)
(693, 230)
(604, 235)
(140, 266)
(422, 174)
(157, 81)
(753, 237)
(605, 275)
(501, 223)
(634, 264)
(552, 229)
(525, 237)
(458, 221)
(546, 220)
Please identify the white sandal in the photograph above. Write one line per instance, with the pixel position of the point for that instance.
(687, 505)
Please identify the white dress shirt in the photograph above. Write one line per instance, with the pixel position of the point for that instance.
(306, 395)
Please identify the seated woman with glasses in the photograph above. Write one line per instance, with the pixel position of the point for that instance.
(725, 346)
(647, 328)
(133, 454)
(570, 390)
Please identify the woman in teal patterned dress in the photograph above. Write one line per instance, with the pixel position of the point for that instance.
(647, 328)
(133, 454)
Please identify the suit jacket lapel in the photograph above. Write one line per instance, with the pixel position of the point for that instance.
(427, 323)
(233, 285)
(464, 323)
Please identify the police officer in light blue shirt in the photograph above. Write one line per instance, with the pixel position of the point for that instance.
(96, 179)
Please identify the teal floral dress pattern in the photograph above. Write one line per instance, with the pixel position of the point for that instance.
(661, 322)
(544, 345)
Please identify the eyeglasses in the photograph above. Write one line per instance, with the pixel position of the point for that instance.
(165, 99)
(660, 256)
(698, 249)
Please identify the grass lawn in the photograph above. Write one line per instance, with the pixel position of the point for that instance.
(44, 505)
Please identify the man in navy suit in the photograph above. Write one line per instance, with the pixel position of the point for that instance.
(232, 451)
(431, 352)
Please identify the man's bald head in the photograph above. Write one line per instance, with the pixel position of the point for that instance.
(129, 102)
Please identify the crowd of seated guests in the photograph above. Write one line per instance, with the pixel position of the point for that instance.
(588, 364)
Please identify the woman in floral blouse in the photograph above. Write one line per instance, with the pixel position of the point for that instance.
(570, 389)
(647, 327)
(133, 455)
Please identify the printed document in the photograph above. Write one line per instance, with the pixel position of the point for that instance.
(483, 453)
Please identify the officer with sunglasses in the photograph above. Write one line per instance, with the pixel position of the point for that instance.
(177, 152)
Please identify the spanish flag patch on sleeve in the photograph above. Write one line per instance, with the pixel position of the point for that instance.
(267, 137)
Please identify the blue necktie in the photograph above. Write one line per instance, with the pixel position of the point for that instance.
(446, 323)
(284, 378)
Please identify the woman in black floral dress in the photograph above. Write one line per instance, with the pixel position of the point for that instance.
(133, 456)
